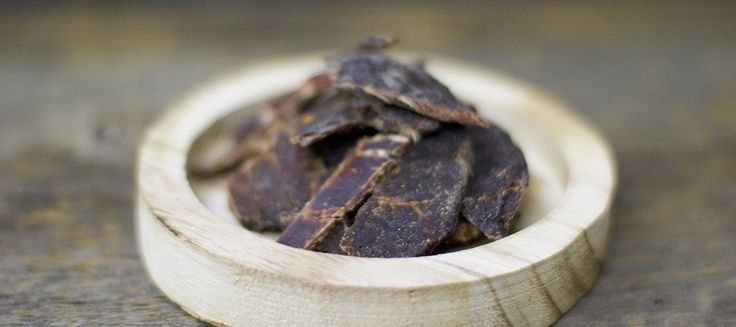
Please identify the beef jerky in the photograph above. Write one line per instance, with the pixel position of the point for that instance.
(331, 113)
(330, 243)
(413, 88)
(250, 139)
(312, 87)
(417, 205)
(209, 158)
(244, 135)
(391, 119)
(496, 189)
(333, 149)
(344, 190)
(339, 112)
(268, 190)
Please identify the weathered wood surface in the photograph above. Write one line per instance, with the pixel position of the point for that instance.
(78, 85)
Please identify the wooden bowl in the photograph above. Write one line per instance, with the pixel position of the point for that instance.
(222, 273)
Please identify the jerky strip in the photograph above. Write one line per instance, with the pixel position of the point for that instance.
(417, 205)
(209, 158)
(338, 112)
(333, 149)
(246, 135)
(497, 187)
(331, 113)
(268, 190)
(391, 119)
(413, 88)
(330, 243)
(344, 190)
(312, 87)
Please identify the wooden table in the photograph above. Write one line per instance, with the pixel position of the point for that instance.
(79, 84)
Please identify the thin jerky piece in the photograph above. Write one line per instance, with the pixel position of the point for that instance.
(333, 149)
(497, 187)
(209, 158)
(391, 119)
(251, 139)
(344, 190)
(413, 88)
(417, 205)
(246, 134)
(339, 112)
(330, 243)
(331, 113)
(268, 190)
(313, 86)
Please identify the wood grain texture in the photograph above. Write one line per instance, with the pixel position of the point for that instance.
(79, 83)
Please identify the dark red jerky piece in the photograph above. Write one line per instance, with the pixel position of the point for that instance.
(251, 139)
(254, 133)
(341, 112)
(391, 119)
(247, 127)
(330, 243)
(268, 190)
(333, 149)
(287, 108)
(497, 187)
(331, 113)
(314, 86)
(395, 83)
(208, 160)
(344, 190)
(417, 205)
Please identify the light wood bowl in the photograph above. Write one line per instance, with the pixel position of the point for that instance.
(222, 273)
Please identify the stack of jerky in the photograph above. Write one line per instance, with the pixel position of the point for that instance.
(373, 158)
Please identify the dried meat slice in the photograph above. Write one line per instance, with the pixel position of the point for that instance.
(392, 119)
(218, 149)
(314, 86)
(333, 149)
(341, 112)
(376, 74)
(330, 243)
(246, 134)
(331, 113)
(344, 190)
(268, 190)
(417, 205)
(499, 179)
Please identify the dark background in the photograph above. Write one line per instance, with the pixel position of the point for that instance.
(80, 81)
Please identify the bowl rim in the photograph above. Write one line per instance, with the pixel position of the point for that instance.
(164, 190)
